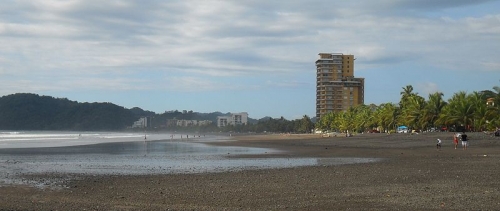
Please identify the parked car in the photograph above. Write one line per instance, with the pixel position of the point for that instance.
(433, 129)
(403, 131)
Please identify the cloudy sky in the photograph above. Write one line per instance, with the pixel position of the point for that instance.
(231, 56)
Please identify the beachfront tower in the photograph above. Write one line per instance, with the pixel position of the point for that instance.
(336, 87)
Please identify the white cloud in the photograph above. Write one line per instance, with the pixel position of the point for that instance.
(180, 34)
(491, 66)
(115, 45)
(192, 84)
(286, 84)
(426, 88)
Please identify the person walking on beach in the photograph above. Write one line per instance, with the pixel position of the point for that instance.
(455, 139)
(465, 141)
(438, 145)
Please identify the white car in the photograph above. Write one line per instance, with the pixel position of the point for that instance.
(403, 131)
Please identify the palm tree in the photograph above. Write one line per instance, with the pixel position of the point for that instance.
(460, 110)
(494, 110)
(405, 95)
(433, 109)
(407, 91)
(324, 123)
(482, 114)
(412, 111)
(385, 116)
(482, 118)
(497, 95)
(363, 118)
(346, 120)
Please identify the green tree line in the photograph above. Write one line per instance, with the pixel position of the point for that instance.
(463, 111)
(269, 125)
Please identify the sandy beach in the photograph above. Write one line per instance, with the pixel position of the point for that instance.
(411, 174)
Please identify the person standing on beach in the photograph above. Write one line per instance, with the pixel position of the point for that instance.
(465, 141)
(455, 139)
(438, 145)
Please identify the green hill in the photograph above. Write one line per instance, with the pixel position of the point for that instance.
(26, 111)
(34, 112)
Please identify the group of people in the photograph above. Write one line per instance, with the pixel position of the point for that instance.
(456, 137)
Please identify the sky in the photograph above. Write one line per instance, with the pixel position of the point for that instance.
(243, 56)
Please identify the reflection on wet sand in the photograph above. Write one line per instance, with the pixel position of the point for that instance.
(150, 157)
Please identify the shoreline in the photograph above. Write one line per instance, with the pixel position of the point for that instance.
(412, 176)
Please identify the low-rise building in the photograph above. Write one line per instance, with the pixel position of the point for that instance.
(187, 123)
(204, 122)
(233, 119)
(143, 122)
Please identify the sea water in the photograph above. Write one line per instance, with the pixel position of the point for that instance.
(115, 153)
(32, 139)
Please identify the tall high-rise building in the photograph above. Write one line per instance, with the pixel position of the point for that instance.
(336, 87)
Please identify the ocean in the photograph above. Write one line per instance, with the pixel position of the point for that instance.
(122, 153)
(31, 139)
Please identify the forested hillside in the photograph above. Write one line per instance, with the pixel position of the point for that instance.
(34, 112)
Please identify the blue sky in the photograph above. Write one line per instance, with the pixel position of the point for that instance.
(234, 56)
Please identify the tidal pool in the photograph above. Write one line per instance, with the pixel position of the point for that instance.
(171, 156)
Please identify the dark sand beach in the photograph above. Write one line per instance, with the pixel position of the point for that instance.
(412, 175)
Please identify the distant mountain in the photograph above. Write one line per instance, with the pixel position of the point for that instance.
(27, 111)
(263, 119)
(210, 116)
(34, 112)
(140, 113)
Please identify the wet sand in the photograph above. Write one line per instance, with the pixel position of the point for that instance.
(412, 175)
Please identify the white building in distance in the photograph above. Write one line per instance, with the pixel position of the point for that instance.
(233, 119)
(187, 123)
(143, 122)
